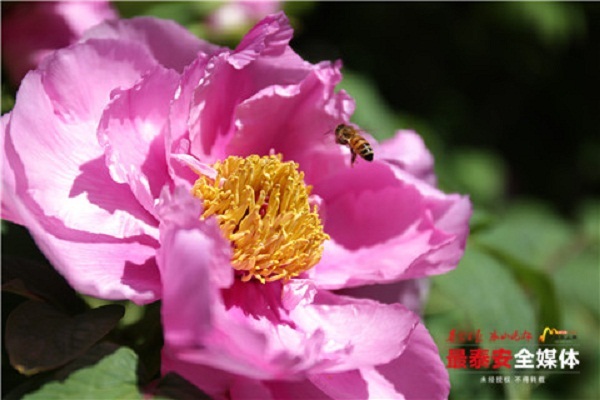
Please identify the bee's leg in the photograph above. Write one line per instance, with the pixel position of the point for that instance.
(353, 158)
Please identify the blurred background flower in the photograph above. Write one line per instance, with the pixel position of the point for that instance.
(32, 30)
(235, 17)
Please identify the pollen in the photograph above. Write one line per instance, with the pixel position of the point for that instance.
(262, 207)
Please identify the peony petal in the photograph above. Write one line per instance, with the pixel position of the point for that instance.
(300, 390)
(298, 292)
(131, 132)
(375, 208)
(375, 333)
(270, 37)
(261, 60)
(357, 384)
(57, 159)
(411, 293)
(418, 373)
(8, 194)
(214, 382)
(300, 117)
(244, 388)
(170, 44)
(177, 135)
(407, 150)
(94, 264)
(218, 384)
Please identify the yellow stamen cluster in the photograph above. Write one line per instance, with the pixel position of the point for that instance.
(261, 204)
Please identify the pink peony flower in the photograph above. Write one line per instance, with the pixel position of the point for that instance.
(33, 30)
(133, 157)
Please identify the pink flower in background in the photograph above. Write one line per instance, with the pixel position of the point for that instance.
(33, 30)
(235, 15)
(101, 152)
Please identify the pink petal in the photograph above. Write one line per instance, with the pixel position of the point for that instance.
(407, 150)
(418, 373)
(218, 384)
(244, 329)
(247, 342)
(298, 292)
(58, 113)
(9, 197)
(214, 382)
(375, 208)
(270, 37)
(189, 248)
(169, 43)
(261, 60)
(301, 115)
(94, 264)
(177, 135)
(375, 333)
(297, 390)
(244, 388)
(357, 384)
(131, 132)
(410, 293)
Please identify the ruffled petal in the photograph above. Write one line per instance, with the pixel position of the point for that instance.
(418, 373)
(96, 265)
(270, 37)
(189, 248)
(407, 150)
(263, 59)
(371, 333)
(375, 208)
(9, 195)
(178, 135)
(57, 159)
(357, 384)
(301, 117)
(169, 43)
(132, 133)
(411, 293)
(214, 382)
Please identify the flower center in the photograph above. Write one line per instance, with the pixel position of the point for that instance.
(261, 205)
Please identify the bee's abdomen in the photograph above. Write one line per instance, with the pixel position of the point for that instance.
(362, 147)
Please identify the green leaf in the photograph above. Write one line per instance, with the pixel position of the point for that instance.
(39, 337)
(530, 233)
(7, 100)
(556, 23)
(577, 280)
(480, 173)
(113, 377)
(487, 295)
(589, 220)
(537, 283)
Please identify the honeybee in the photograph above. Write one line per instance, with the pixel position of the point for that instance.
(349, 136)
